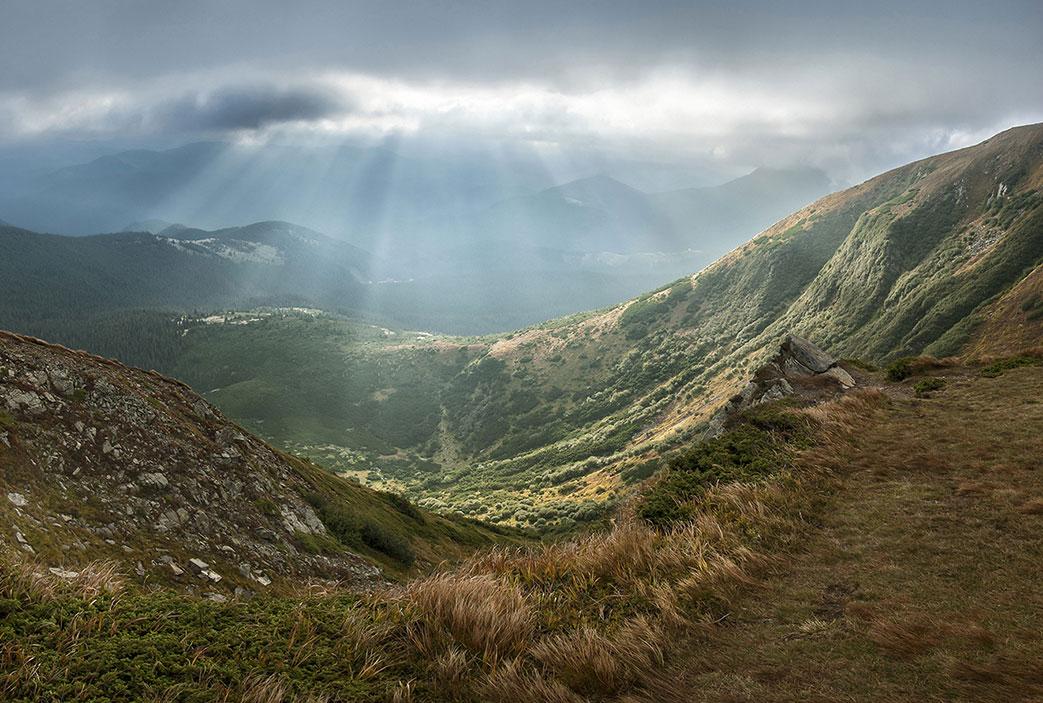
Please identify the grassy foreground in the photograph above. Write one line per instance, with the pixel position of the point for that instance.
(894, 536)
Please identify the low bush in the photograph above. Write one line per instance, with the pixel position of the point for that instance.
(925, 387)
(383, 540)
(998, 367)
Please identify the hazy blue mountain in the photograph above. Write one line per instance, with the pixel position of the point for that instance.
(460, 244)
(347, 191)
(153, 226)
(50, 277)
(601, 214)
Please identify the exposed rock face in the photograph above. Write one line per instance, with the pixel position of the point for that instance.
(104, 461)
(798, 366)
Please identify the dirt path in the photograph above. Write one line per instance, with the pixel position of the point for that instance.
(925, 581)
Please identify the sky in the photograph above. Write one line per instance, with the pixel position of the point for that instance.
(851, 87)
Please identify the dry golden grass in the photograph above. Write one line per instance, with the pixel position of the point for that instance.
(905, 636)
(268, 689)
(921, 581)
(596, 616)
(840, 537)
(521, 684)
(479, 612)
(24, 579)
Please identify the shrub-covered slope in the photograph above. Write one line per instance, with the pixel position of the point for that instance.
(98, 460)
(837, 509)
(544, 423)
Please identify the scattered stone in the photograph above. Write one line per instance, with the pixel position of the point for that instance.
(26, 401)
(62, 573)
(198, 565)
(843, 377)
(153, 480)
(23, 542)
(215, 597)
(17, 499)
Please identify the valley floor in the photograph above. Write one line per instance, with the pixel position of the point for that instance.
(923, 581)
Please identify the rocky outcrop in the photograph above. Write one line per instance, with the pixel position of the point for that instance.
(99, 460)
(798, 367)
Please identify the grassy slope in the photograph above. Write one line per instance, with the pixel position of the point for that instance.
(384, 528)
(902, 564)
(551, 421)
(922, 582)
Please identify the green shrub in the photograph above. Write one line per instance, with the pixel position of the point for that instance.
(1014, 362)
(376, 536)
(743, 453)
(267, 507)
(755, 448)
(899, 370)
(924, 387)
(404, 506)
(639, 472)
(317, 544)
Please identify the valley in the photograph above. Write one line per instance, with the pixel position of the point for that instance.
(471, 352)
(545, 426)
(758, 583)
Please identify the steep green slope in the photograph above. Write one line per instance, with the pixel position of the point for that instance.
(534, 425)
(98, 460)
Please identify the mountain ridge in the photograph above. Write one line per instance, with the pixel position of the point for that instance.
(102, 460)
(909, 262)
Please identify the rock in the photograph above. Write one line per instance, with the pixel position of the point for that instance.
(26, 401)
(17, 499)
(262, 579)
(61, 382)
(216, 597)
(807, 354)
(198, 566)
(139, 569)
(106, 447)
(178, 571)
(202, 410)
(796, 361)
(63, 574)
(23, 542)
(843, 377)
(303, 519)
(153, 480)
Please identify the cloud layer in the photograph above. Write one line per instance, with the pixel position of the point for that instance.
(841, 85)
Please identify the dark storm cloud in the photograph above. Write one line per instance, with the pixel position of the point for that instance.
(61, 42)
(247, 107)
(866, 84)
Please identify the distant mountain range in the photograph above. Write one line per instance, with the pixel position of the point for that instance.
(380, 199)
(601, 214)
(48, 276)
(496, 252)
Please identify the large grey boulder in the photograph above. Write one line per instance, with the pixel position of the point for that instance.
(807, 354)
(797, 360)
